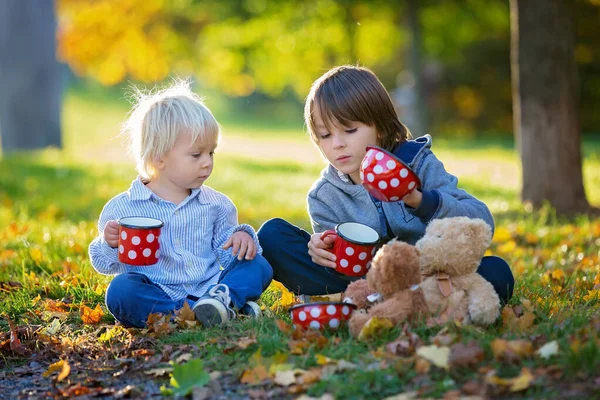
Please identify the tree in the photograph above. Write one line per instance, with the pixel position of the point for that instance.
(546, 120)
(30, 76)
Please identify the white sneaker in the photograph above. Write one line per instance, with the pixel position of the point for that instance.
(251, 309)
(214, 308)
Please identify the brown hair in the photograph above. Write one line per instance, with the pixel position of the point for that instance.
(348, 93)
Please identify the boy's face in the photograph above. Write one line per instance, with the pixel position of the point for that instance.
(345, 146)
(187, 165)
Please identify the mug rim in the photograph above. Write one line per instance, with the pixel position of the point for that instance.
(317, 303)
(337, 231)
(389, 153)
(158, 224)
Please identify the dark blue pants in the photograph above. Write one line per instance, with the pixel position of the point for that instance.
(131, 297)
(285, 247)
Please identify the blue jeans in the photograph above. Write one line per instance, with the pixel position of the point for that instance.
(285, 247)
(131, 297)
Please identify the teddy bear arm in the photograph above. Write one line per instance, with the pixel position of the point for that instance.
(484, 303)
(357, 322)
(397, 308)
(357, 292)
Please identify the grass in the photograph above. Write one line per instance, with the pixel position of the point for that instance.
(50, 201)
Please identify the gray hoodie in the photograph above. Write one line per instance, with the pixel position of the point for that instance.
(334, 199)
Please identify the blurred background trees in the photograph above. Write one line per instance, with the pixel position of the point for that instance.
(30, 76)
(446, 63)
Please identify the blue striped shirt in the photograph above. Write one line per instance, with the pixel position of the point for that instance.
(191, 239)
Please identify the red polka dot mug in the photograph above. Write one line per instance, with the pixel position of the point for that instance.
(354, 247)
(138, 240)
(321, 315)
(386, 177)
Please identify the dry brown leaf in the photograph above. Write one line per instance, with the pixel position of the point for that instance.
(466, 356)
(513, 319)
(185, 317)
(91, 317)
(246, 341)
(511, 351)
(283, 326)
(309, 377)
(422, 366)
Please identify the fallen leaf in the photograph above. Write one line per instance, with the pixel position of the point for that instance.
(52, 328)
(511, 351)
(187, 376)
(422, 366)
(548, 350)
(89, 316)
(283, 326)
(516, 384)
(62, 366)
(255, 375)
(244, 342)
(438, 355)
(466, 356)
(374, 327)
(286, 378)
(185, 317)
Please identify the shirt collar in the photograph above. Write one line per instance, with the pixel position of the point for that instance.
(345, 178)
(139, 191)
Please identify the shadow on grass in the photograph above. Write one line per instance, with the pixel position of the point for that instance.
(31, 187)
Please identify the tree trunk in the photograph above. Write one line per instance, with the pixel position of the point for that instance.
(416, 67)
(30, 76)
(546, 119)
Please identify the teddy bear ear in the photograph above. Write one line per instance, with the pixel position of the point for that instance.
(478, 228)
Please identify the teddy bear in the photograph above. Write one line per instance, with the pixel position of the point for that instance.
(450, 253)
(395, 277)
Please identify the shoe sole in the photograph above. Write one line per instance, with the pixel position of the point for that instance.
(210, 313)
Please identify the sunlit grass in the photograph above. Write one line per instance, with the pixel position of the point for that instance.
(50, 201)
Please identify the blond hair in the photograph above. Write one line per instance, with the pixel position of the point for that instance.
(159, 117)
(349, 93)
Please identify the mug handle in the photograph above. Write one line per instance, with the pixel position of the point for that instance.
(328, 232)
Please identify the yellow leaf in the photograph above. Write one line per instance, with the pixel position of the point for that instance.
(323, 360)
(557, 274)
(255, 375)
(438, 355)
(36, 254)
(286, 298)
(62, 366)
(522, 381)
(373, 327)
(99, 289)
(89, 316)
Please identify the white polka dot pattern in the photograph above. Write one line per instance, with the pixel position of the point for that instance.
(138, 246)
(321, 315)
(387, 178)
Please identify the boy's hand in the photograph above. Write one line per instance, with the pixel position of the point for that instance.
(242, 244)
(111, 233)
(317, 250)
(413, 199)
